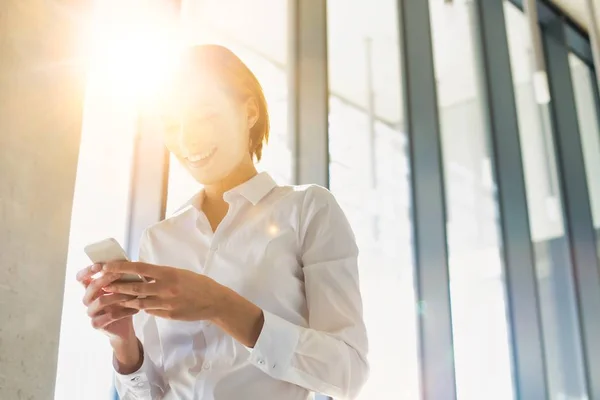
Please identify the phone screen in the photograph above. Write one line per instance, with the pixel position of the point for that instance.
(110, 250)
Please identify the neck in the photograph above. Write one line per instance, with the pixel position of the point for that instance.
(242, 173)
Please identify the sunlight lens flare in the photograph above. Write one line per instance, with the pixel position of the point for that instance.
(134, 46)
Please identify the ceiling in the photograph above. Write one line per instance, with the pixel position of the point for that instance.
(577, 10)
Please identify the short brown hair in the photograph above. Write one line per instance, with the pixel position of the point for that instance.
(237, 78)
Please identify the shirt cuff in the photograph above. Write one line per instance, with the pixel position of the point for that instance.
(137, 382)
(275, 346)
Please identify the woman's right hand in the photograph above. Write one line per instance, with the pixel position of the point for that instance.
(104, 309)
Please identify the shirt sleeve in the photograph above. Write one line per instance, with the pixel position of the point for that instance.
(147, 383)
(330, 356)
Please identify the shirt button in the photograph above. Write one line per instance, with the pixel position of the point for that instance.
(206, 366)
(261, 361)
(135, 379)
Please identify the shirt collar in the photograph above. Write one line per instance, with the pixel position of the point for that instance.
(253, 190)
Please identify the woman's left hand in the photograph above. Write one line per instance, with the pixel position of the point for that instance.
(170, 293)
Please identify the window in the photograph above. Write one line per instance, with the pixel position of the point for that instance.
(124, 50)
(369, 174)
(586, 99)
(481, 343)
(562, 347)
(257, 32)
(100, 210)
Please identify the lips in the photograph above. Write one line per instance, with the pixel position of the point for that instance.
(198, 160)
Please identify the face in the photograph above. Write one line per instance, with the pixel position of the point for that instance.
(207, 129)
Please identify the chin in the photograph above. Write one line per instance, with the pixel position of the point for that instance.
(218, 170)
(209, 177)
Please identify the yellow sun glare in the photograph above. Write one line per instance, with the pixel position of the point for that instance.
(134, 45)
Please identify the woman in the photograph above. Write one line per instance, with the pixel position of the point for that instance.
(253, 288)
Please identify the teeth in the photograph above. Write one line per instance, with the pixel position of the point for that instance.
(201, 156)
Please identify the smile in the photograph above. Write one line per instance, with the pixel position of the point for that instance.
(201, 159)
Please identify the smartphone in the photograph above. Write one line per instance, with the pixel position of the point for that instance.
(110, 250)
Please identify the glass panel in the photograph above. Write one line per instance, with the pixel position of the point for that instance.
(481, 340)
(257, 33)
(586, 98)
(100, 210)
(566, 379)
(369, 174)
(120, 73)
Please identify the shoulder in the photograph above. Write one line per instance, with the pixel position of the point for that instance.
(317, 203)
(306, 199)
(312, 196)
(307, 204)
(322, 222)
(301, 198)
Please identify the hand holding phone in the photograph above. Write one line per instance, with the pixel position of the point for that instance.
(110, 250)
(118, 322)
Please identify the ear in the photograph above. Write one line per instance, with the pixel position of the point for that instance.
(252, 112)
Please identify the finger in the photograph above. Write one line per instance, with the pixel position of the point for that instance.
(136, 288)
(139, 268)
(86, 273)
(87, 282)
(105, 301)
(112, 315)
(148, 303)
(94, 289)
(160, 313)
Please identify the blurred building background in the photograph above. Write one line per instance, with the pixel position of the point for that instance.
(461, 137)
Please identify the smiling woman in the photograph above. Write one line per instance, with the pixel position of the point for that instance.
(228, 98)
(257, 32)
(207, 265)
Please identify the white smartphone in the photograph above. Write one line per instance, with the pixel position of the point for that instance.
(110, 250)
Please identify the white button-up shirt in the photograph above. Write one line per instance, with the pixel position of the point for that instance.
(289, 250)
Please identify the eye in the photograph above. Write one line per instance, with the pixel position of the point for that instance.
(206, 117)
(170, 125)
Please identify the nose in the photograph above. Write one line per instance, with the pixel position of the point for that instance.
(189, 138)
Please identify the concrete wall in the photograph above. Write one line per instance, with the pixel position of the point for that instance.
(41, 95)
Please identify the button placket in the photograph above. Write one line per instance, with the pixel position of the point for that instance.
(220, 234)
(215, 243)
(210, 256)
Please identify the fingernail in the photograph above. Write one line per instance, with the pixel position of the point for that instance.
(105, 267)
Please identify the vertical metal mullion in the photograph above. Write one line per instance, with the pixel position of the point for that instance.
(596, 93)
(149, 183)
(308, 90)
(596, 89)
(293, 84)
(529, 370)
(575, 194)
(428, 202)
(308, 93)
(150, 173)
(594, 38)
